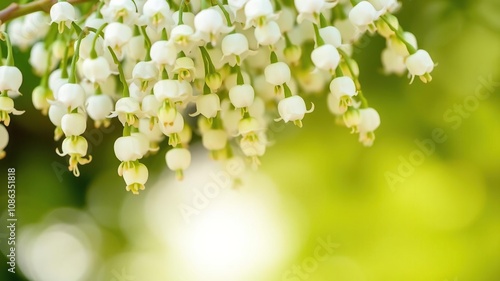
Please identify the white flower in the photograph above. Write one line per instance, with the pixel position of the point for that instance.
(333, 104)
(370, 121)
(331, 35)
(163, 53)
(214, 140)
(150, 106)
(157, 14)
(278, 73)
(96, 70)
(128, 148)
(39, 57)
(120, 9)
(183, 37)
(178, 159)
(136, 177)
(128, 111)
(40, 97)
(326, 57)
(286, 20)
(76, 147)
(393, 62)
(207, 105)
(311, 9)
(420, 64)
(7, 107)
(174, 127)
(56, 112)
(185, 68)
(235, 48)
(209, 24)
(236, 5)
(268, 34)
(136, 49)
(343, 86)
(11, 78)
(363, 15)
(293, 109)
(242, 95)
(167, 89)
(254, 147)
(71, 95)
(4, 140)
(73, 124)
(98, 108)
(144, 74)
(258, 13)
(116, 36)
(249, 126)
(62, 13)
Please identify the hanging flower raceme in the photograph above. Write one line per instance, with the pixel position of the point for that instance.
(172, 69)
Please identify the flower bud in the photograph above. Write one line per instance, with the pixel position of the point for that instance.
(278, 73)
(214, 140)
(326, 57)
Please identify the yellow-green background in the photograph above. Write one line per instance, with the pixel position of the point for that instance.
(441, 223)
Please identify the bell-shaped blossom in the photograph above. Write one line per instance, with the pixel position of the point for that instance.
(207, 105)
(96, 70)
(76, 147)
(178, 160)
(420, 64)
(293, 109)
(11, 78)
(311, 9)
(63, 14)
(235, 49)
(157, 14)
(128, 111)
(278, 73)
(71, 95)
(242, 96)
(268, 34)
(214, 139)
(209, 24)
(73, 124)
(136, 177)
(326, 57)
(99, 107)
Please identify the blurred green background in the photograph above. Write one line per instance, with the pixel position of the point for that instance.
(439, 221)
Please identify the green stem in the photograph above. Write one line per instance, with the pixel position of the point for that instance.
(10, 55)
(148, 43)
(274, 57)
(319, 40)
(287, 91)
(126, 92)
(181, 11)
(76, 56)
(400, 36)
(205, 53)
(93, 53)
(226, 14)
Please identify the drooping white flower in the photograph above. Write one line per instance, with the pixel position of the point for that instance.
(278, 73)
(150, 106)
(420, 64)
(331, 35)
(393, 62)
(73, 124)
(172, 128)
(71, 95)
(268, 34)
(76, 147)
(96, 70)
(11, 78)
(128, 111)
(184, 38)
(6, 108)
(40, 97)
(214, 139)
(178, 160)
(98, 108)
(209, 24)
(128, 149)
(136, 177)
(370, 121)
(116, 36)
(120, 10)
(242, 95)
(311, 9)
(363, 15)
(326, 57)
(185, 69)
(235, 49)
(259, 13)
(145, 74)
(207, 105)
(157, 14)
(62, 13)
(163, 53)
(135, 49)
(293, 109)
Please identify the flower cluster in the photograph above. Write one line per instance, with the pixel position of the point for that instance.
(224, 70)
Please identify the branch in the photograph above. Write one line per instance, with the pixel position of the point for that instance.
(14, 10)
